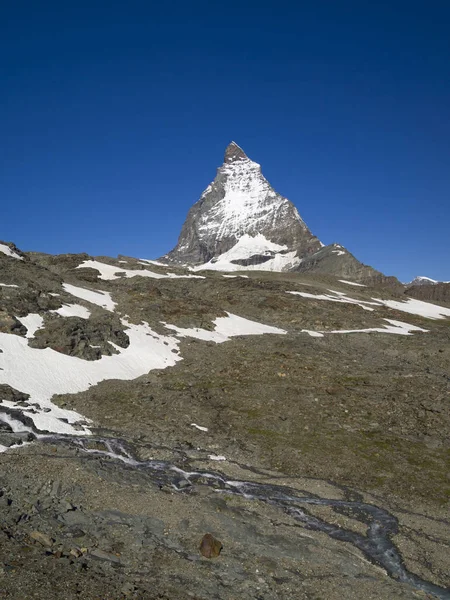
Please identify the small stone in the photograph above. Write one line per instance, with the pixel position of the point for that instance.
(106, 556)
(210, 547)
(41, 538)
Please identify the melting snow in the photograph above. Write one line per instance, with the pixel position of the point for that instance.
(152, 262)
(417, 307)
(109, 272)
(100, 298)
(248, 246)
(41, 373)
(200, 427)
(338, 297)
(412, 306)
(226, 328)
(396, 327)
(313, 333)
(32, 322)
(218, 457)
(73, 310)
(7, 250)
(352, 283)
(44, 372)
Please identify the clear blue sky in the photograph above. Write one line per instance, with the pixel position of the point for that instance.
(115, 115)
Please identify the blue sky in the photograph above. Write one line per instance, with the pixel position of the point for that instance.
(114, 117)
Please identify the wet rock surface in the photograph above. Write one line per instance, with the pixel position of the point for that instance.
(131, 527)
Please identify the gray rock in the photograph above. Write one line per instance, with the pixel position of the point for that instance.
(105, 556)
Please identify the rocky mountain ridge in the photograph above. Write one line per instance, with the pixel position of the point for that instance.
(241, 223)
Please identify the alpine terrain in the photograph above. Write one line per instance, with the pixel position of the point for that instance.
(240, 222)
(254, 416)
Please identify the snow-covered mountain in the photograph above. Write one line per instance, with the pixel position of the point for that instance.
(240, 221)
(421, 280)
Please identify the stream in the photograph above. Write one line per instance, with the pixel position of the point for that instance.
(377, 545)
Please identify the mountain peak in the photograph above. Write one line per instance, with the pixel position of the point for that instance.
(233, 153)
(241, 210)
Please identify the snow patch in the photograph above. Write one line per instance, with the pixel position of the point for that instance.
(32, 322)
(395, 327)
(313, 333)
(411, 305)
(337, 297)
(73, 310)
(41, 373)
(152, 262)
(199, 427)
(352, 283)
(226, 328)
(417, 307)
(110, 272)
(100, 298)
(7, 250)
(8, 285)
(248, 246)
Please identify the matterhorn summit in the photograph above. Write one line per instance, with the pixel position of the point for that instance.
(240, 222)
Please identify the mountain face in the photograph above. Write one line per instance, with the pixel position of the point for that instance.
(241, 207)
(242, 223)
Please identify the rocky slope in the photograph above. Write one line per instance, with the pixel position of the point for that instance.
(300, 419)
(337, 260)
(437, 292)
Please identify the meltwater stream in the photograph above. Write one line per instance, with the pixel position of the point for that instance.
(376, 545)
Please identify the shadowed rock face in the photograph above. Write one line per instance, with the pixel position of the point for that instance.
(337, 260)
(240, 201)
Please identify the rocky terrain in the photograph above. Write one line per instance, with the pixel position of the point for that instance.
(300, 418)
(437, 292)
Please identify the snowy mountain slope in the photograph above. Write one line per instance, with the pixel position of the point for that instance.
(241, 223)
(240, 202)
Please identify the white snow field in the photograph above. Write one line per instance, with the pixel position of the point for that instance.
(7, 250)
(411, 306)
(41, 373)
(110, 272)
(32, 322)
(248, 246)
(417, 307)
(100, 298)
(226, 328)
(352, 283)
(337, 297)
(73, 310)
